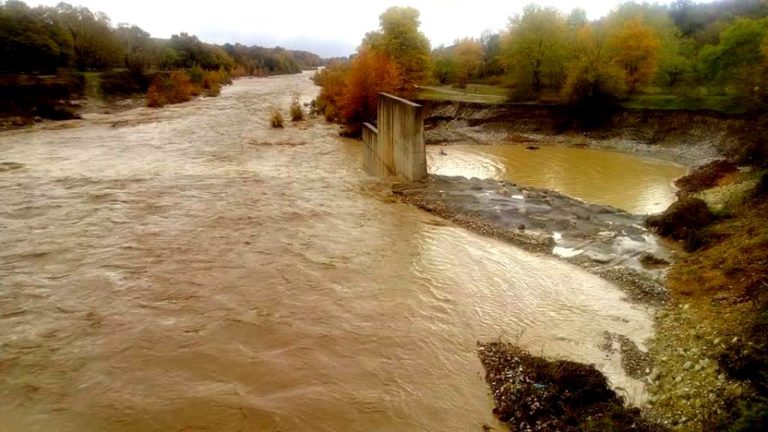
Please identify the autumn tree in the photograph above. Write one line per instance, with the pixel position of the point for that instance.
(370, 73)
(399, 38)
(332, 82)
(469, 57)
(675, 53)
(594, 77)
(634, 47)
(535, 49)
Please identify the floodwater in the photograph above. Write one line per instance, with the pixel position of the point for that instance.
(191, 269)
(634, 184)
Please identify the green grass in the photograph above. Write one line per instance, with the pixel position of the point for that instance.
(724, 104)
(475, 93)
(654, 98)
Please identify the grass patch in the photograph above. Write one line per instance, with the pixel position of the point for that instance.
(723, 104)
(473, 93)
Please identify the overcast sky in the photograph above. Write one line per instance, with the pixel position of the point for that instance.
(327, 27)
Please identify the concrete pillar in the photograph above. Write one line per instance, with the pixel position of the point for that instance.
(373, 162)
(401, 137)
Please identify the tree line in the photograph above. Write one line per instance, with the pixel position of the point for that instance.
(685, 49)
(46, 40)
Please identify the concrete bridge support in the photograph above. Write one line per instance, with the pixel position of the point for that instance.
(397, 146)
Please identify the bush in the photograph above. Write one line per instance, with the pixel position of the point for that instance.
(296, 112)
(276, 120)
(175, 88)
(181, 86)
(330, 113)
(683, 220)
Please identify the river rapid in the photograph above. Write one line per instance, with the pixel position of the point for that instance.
(191, 269)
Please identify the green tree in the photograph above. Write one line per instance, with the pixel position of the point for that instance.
(739, 48)
(443, 65)
(137, 46)
(95, 44)
(737, 62)
(535, 48)
(492, 65)
(29, 41)
(400, 39)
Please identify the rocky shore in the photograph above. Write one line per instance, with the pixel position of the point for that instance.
(603, 240)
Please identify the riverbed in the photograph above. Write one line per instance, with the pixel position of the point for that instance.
(190, 268)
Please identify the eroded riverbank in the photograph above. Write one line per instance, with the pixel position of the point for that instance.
(190, 267)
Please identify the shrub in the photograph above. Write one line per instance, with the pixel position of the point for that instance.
(155, 98)
(180, 89)
(296, 112)
(330, 113)
(175, 88)
(276, 120)
(683, 220)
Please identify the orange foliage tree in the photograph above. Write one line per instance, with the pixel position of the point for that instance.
(635, 48)
(370, 73)
(332, 81)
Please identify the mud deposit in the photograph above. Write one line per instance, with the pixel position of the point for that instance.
(189, 268)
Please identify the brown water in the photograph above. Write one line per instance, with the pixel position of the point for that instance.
(637, 185)
(189, 268)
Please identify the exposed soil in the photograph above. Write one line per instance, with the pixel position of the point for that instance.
(684, 137)
(705, 176)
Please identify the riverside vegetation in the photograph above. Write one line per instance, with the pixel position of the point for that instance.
(54, 57)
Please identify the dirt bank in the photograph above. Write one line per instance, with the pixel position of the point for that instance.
(711, 348)
(601, 239)
(686, 137)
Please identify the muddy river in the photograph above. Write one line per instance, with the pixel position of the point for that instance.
(191, 269)
(637, 185)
